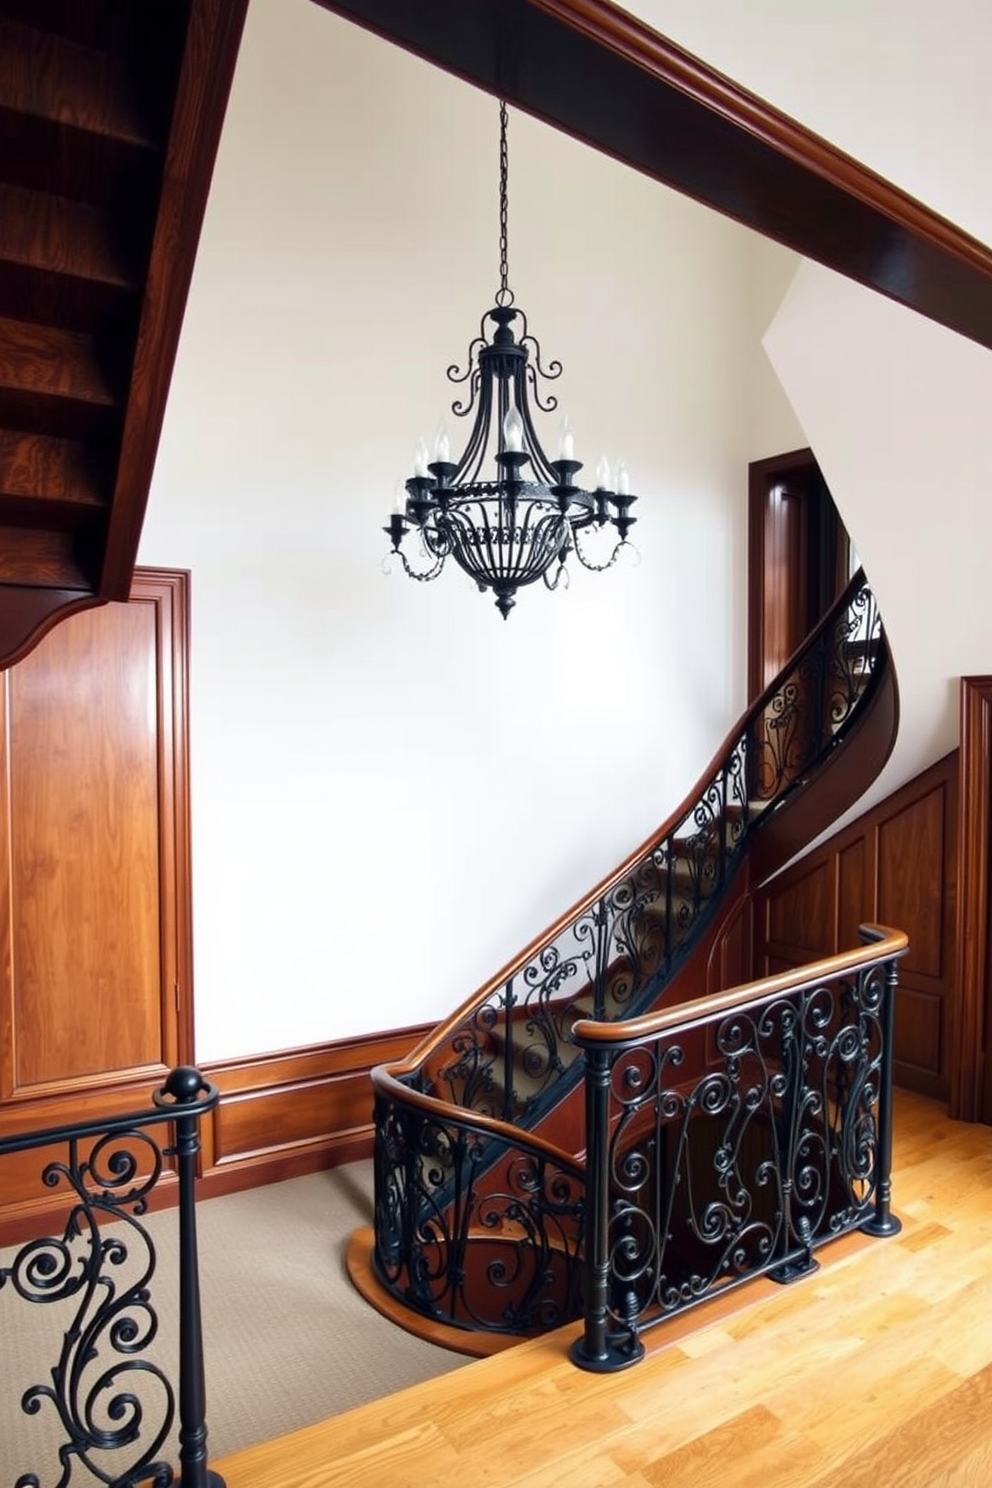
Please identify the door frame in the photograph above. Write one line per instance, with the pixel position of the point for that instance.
(825, 560)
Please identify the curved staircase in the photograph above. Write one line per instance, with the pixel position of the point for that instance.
(480, 1202)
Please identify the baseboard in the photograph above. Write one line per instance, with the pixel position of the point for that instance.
(285, 1114)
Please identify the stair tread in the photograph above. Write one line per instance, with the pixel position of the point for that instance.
(48, 362)
(50, 77)
(39, 468)
(59, 236)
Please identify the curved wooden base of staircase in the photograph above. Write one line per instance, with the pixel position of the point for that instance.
(368, 1285)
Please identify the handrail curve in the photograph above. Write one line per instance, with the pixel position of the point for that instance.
(386, 1085)
(882, 943)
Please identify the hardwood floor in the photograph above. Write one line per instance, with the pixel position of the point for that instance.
(872, 1373)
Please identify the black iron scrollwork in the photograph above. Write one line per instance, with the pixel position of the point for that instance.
(503, 1254)
(115, 1404)
(747, 1168)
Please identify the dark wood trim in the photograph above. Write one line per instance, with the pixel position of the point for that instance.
(280, 1115)
(759, 473)
(601, 75)
(169, 590)
(296, 1111)
(212, 42)
(27, 614)
(969, 1032)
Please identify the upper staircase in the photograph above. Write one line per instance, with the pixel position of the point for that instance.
(480, 1133)
(110, 115)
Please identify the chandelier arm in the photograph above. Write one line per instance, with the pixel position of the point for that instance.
(550, 403)
(477, 344)
(533, 345)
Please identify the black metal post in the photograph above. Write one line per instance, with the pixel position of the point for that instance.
(883, 1221)
(183, 1088)
(593, 1351)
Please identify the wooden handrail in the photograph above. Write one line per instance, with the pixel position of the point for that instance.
(385, 1082)
(883, 944)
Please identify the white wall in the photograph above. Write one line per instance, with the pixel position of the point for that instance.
(393, 789)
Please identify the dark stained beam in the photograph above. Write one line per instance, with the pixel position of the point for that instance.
(607, 79)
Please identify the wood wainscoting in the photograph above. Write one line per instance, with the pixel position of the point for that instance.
(281, 1115)
(896, 865)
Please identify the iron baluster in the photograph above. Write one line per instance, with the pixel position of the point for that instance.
(509, 1052)
(601, 919)
(594, 1350)
(883, 1221)
(182, 1090)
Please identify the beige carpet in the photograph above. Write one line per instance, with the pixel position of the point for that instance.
(288, 1341)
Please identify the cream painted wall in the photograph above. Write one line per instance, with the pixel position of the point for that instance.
(393, 789)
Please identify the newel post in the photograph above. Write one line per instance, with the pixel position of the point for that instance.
(593, 1350)
(188, 1094)
(883, 1221)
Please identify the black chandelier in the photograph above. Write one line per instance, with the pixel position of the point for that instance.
(507, 531)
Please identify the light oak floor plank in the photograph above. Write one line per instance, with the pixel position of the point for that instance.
(874, 1372)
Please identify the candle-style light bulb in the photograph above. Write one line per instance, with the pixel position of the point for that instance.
(420, 460)
(603, 474)
(623, 479)
(442, 445)
(513, 429)
(566, 440)
(399, 500)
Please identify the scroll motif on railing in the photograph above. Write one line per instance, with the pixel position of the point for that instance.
(749, 1167)
(503, 1255)
(109, 1404)
(115, 1406)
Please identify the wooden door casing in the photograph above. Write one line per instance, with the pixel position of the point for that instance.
(798, 559)
(95, 900)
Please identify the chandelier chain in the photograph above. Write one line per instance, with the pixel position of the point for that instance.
(505, 294)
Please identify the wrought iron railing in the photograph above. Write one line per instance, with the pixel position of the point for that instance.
(477, 1226)
(110, 1400)
(452, 1121)
(729, 1138)
(508, 1052)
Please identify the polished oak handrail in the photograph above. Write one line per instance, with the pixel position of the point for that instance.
(882, 944)
(385, 1083)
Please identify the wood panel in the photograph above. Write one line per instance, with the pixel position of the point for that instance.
(295, 1112)
(83, 852)
(95, 939)
(971, 1091)
(896, 865)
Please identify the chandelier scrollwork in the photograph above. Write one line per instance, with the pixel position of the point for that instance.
(508, 530)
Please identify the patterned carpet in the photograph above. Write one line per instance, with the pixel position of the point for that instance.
(287, 1339)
